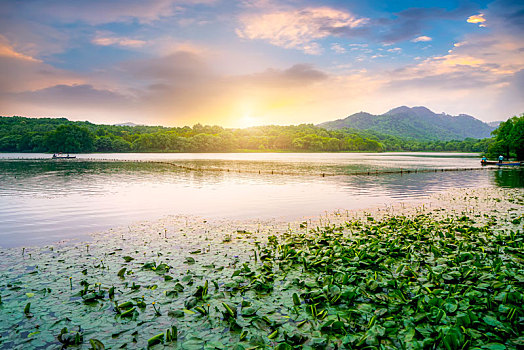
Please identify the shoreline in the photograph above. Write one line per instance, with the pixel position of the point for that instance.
(172, 261)
(477, 154)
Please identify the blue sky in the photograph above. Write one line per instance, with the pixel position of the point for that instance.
(241, 63)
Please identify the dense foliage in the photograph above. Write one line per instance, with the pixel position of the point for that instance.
(19, 134)
(509, 139)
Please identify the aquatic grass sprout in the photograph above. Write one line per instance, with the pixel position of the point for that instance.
(431, 279)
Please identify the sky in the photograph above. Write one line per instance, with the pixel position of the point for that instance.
(258, 62)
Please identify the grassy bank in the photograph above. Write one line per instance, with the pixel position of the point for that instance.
(444, 275)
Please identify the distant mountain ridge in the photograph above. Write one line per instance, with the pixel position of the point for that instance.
(416, 123)
(127, 124)
(495, 124)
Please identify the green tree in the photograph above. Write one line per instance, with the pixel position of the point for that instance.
(517, 136)
(502, 137)
(70, 139)
(120, 145)
(104, 144)
(19, 134)
(10, 143)
(509, 138)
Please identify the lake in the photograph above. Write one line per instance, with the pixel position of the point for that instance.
(43, 200)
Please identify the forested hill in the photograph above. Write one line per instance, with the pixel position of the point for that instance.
(20, 134)
(417, 123)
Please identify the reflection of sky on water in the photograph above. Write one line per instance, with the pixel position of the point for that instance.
(415, 185)
(45, 201)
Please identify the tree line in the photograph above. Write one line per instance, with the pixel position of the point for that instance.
(20, 134)
(509, 139)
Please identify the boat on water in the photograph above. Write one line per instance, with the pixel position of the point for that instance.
(493, 162)
(60, 156)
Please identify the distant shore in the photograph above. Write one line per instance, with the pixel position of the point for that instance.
(249, 151)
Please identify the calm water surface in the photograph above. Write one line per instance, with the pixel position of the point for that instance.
(43, 201)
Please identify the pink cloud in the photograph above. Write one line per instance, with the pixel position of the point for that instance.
(101, 11)
(297, 28)
(106, 39)
(422, 38)
(7, 50)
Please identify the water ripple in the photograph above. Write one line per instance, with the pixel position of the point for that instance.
(45, 201)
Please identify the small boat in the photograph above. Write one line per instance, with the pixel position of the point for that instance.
(493, 162)
(60, 156)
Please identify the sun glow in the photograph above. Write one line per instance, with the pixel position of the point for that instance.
(248, 121)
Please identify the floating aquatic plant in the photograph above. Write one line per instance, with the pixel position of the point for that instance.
(27, 310)
(67, 337)
(443, 281)
(96, 344)
(121, 272)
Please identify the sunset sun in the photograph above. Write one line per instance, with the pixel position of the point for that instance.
(248, 121)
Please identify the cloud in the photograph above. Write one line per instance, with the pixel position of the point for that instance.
(265, 4)
(97, 12)
(176, 81)
(337, 48)
(189, 70)
(422, 38)
(7, 50)
(183, 87)
(180, 67)
(21, 73)
(395, 50)
(480, 76)
(31, 38)
(179, 88)
(409, 23)
(36, 28)
(507, 16)
(297, 28)
(109, 39)
(510, 98)
(304, 28)
(296, 75)
(65, 96)
(80, 102)
(481, 59)
(477, 19)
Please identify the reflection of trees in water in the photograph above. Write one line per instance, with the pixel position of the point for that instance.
(75, 168)
(66, 177)
(512, 178)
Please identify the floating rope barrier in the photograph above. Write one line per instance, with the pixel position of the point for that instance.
(271, 172)
(277, 172)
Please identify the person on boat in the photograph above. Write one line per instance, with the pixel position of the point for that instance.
(501, 158)
(484, 159)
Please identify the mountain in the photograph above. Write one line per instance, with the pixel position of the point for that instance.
(495, 124)
(416, 123)
(127, 124)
